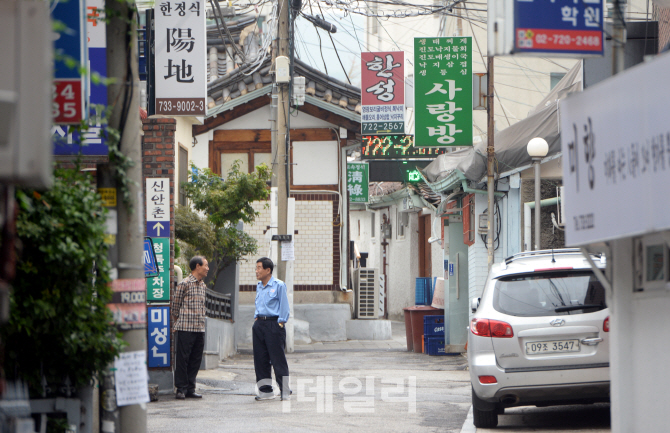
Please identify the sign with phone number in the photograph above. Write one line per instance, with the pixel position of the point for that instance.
(180, 106)
(68, 103)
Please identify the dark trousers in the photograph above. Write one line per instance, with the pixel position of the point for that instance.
(189, 355)
(269, 342)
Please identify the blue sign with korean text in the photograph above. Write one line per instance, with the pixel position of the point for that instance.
(158, 229)
(451, 269)
(159, 336)
(149, 258)
(570, 27)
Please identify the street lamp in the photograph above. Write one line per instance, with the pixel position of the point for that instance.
(537, 149)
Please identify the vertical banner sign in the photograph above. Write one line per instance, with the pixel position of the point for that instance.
(159, 336)
(90, 141)
(69, 88)
(158, 207)
(357, 182)
(158, 288)
(550, 27)
(383, 92)
(181, 45)
(443, 91)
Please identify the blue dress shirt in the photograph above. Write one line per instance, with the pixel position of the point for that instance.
(271, 300)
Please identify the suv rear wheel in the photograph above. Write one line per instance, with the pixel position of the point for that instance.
(485, 414)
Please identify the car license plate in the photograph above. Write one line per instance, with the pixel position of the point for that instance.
(562, 346)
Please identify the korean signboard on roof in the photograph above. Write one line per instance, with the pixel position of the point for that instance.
(443, 91)
(558, 27)
(383, 92)
(357, 182)
(181, 44)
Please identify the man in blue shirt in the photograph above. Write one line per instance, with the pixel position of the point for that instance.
(269, 332)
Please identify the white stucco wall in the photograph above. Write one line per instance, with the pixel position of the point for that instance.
(638, 322)
(365, 241)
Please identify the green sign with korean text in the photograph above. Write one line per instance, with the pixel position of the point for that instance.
(158, 288)
(443, 91)
(357, 182)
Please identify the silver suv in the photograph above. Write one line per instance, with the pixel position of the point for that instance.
(539, 335)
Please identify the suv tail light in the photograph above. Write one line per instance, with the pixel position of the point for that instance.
(606, 324)
(491, 328)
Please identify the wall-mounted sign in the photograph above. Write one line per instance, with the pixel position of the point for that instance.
(357, 182)
(383, 92)
(549, 27)
(396, 147)
(70, 91)
(181, 45)
(158, 199)
(613, 150)
(128, 304)
(158, 330)
(443, 91)
(158, 288)
(90, 141)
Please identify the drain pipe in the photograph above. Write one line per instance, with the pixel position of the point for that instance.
(527, 218)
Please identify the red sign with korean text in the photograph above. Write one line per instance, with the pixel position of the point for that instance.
(67, 107)
(383, 92)
(383, 78)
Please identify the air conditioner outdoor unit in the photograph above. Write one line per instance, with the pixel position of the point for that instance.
(366, 282)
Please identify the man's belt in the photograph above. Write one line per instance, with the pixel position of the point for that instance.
(267, 317)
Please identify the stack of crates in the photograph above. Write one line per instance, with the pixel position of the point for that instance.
(433, 335)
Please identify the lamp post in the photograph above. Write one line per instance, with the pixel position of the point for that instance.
(537, 149)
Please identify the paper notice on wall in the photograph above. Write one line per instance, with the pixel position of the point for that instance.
(132, 380)
(287, 251)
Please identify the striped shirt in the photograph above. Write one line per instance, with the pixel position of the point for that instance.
(188, 305)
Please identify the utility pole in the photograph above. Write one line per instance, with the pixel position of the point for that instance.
(618, 36)
(490, 153)
(280, 162)
(124, 101)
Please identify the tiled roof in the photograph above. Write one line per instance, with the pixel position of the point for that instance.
(229, 82)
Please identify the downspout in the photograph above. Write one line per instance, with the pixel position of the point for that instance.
(527, 218)
(466, 188)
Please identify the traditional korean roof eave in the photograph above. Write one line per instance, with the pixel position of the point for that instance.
(239, 101)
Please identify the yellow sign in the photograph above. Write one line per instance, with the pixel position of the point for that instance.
(108, 196)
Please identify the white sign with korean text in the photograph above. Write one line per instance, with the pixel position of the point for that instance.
(158, 198)
(181, 46)
(616, 156)
(131, 377)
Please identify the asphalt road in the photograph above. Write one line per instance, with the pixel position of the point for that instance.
(333, 391)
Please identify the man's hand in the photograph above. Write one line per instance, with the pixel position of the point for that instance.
(281, 324)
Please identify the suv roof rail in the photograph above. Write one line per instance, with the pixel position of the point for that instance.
(560, 251)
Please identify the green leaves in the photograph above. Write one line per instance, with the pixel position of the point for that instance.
(59, 322)
(221, 204)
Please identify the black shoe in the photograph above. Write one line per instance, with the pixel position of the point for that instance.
(193, 395)
(180, 396)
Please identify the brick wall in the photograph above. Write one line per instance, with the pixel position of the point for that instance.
(316, 241)
(662, 15)
(158, 160)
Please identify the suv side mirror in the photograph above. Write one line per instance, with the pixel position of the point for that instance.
(474, 304)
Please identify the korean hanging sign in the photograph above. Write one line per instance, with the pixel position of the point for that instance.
(357, 182)
(159, 337)
(181, 45)
(158, 288)
(383, 92)
(443, 91)
(549, 27)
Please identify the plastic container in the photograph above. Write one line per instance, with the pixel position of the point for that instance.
(435, 346)
(433, 326)
(423, 294)
(417, 314)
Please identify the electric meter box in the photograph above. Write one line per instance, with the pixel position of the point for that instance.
(282, 69)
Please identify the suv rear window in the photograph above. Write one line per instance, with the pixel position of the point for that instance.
(549, 294)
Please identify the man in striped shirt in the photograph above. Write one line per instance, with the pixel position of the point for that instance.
(188, 310)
